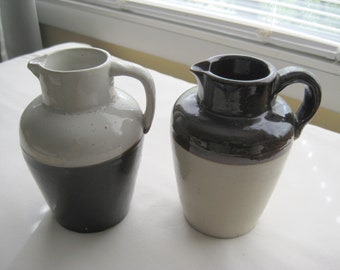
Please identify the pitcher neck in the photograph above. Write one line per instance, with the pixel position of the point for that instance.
(235, 98)
(74, 79)
(235, 85)
(76, 91)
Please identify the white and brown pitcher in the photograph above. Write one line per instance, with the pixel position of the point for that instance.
(231, 135)
(82, 137)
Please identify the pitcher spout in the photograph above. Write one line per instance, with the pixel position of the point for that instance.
(199, 70)
(36, 65)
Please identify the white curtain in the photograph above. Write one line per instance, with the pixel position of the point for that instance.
(20, 32)
(3, 54)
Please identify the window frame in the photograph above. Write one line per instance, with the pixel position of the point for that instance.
(241, 29)
(182, 42)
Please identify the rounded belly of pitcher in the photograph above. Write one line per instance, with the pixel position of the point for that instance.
(223, 200)
(90, 198)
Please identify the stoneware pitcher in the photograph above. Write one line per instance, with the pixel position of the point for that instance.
(231, 135)
(82, 137)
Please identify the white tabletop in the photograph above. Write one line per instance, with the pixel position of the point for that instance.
(300, 228)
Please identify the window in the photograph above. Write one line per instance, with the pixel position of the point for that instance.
(183, 32)
(309, 26)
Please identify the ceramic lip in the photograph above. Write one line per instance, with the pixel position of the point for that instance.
(91, 55)
(271, 74)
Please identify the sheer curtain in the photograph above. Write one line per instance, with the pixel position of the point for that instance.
(20, 32)
(305, 26)
(3, 54)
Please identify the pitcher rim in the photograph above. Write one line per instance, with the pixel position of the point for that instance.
(269, 77)
(63, 51)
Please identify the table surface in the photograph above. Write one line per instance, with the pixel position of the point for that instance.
(299, 229)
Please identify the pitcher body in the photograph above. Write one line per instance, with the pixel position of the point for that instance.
(231, 135)
(82, 138)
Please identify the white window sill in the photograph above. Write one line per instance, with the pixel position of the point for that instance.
(181, 44)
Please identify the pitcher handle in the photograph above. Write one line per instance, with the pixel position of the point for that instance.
(120, 67)
(312, 96)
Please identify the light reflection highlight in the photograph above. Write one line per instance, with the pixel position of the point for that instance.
(329, 199)
(323, 185)
(42, 211)
(35, 226)
(337, 219)
(310, 154)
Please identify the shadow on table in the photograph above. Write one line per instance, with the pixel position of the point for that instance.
(168, 243)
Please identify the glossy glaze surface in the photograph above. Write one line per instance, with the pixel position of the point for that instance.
(235, 116)
(91, 198)
(235, 85)
(81, 138)
(231, 137)
(223, 139)
(80, 118)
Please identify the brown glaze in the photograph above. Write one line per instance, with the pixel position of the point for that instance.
(234, 114)
(91, 198)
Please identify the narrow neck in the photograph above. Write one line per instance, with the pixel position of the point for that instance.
(74, 79)
(235, 85)
(232, 98)
(76, 91)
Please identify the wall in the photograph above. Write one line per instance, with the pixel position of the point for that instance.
(51, 35)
